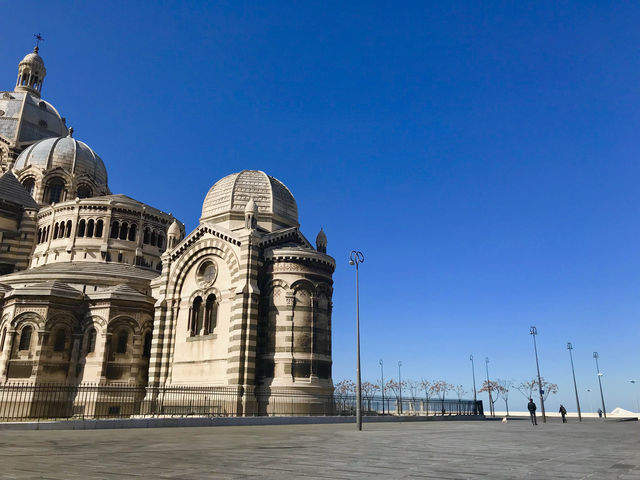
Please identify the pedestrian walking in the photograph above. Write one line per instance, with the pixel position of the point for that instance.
(532, 411)
(563, 412)
(600, 412)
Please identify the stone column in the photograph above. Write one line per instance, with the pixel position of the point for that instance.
(104, 354)
(76, 340)
(6, 353)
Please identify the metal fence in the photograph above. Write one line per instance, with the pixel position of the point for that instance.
(23, 401)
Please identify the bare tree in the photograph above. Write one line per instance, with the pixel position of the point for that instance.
(527, 388)
(547, 387)
(493, 390)
(505, 387)
(342, 390)
(425, 385)
(440, 389)
(368, 391)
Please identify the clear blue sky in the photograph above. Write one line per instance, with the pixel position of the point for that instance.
(483, 156)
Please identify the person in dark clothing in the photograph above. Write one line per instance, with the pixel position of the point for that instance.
(563, 412)
(600, 412)
(532, 411)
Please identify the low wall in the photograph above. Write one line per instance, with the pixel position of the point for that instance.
(157, 422)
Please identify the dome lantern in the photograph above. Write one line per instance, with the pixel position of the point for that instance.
(31, 73)
(321, 242)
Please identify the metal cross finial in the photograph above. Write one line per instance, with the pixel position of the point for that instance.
(39, 38)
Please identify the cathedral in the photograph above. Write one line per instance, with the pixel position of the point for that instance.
(99, 288)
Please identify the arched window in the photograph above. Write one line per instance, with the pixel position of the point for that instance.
(123, 230)
(29, 184)
(115, 229)
(210, 314)
(60, 340)
(160, 241)
(146, 349)
(91, 340)
(55, 231)
(39, 235)
(84, 191)
(153, 238)
(4, 336)
(68, 233)
(123, 339)
(46, 233)
(90, 225)
(55, 187)
(196, 316)
(99, 226)
(25, 338)
(132, 232)
(81, 227)
(145, 238)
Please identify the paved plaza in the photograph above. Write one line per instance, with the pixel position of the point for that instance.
(443, 450)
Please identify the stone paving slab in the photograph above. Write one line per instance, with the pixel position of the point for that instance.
(416, 450)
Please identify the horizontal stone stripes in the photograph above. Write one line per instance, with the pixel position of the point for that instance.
(288, 328)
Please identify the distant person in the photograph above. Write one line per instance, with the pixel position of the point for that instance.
(600, 413)
(563, 412)
(532, 411)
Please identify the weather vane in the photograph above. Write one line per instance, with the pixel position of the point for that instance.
(38, 39)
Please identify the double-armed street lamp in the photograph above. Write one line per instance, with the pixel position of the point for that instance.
(356, 258)
(382, 382)
(575, 386)
(596, 356)
(534, 331)
(486, 363)
(400, 386)
(473, 372)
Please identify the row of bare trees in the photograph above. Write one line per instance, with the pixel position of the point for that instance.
(499, 389)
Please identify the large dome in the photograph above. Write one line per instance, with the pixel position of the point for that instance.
(71, 155)
(231, 194)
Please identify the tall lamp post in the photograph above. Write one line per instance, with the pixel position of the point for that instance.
(475, 395)
(635, 382)
(382, 382)
(534, 331)
(356, 258)
(400, 387)
(575, 386)
(486, 362)
(596, 356)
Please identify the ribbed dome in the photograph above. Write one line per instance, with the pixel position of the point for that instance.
(33, 59)
(73, 156)
(233, 193)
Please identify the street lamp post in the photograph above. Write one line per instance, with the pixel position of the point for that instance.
(604, 410)
(356, 258)
(635, 382)
(575, 386)
(400, 387)
(382, 382)
(486, 362)
(473, 372)
(534, 331)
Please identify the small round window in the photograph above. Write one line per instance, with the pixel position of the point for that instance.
(207, 272)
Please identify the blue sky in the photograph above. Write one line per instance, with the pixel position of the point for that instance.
(483, 156)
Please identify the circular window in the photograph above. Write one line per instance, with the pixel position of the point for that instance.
(207, 272)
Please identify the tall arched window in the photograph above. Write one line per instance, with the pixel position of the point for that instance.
(46, 233)
(55, 231)
(55, 187)
(25, 338)
(123, 339)
(146, 349)
(210, 314)
(196, 316)
(132, 232)
(145, 238)
(91, 340)
(68, 233)
(99, 226)
(153, 238)
(81, 227)
(90, 225)
(29, 184)
(115, 229)
(4, 336)
(123, 230)
(60, 340)
(160, 241)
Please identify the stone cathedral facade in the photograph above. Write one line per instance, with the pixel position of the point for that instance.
(100, 288)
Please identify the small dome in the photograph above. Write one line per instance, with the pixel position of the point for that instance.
(33, 59)
(321, 239)
(71, 155)
(234, 192)
(174, 229)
